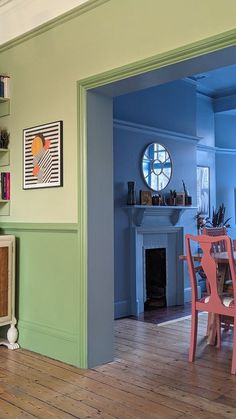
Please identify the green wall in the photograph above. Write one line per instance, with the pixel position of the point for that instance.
(47, 288)
(45, 66)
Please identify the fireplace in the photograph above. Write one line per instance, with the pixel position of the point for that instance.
(146, 243)
(155, 278)
(156, 227)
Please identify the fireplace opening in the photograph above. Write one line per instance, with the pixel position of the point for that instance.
(155, 279)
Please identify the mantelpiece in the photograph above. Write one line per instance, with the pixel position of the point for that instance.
(168, 215)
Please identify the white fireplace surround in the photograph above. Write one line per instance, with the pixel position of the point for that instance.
(169, 238)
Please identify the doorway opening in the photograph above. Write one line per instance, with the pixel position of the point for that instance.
(100, 253)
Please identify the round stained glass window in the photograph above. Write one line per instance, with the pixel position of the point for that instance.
(156, 166)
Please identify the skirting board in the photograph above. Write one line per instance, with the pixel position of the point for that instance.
(38, 339)
(122, 309)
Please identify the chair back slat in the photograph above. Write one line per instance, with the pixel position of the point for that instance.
(216, 231)
(209, 266)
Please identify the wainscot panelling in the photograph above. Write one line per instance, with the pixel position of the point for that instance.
(47, 288)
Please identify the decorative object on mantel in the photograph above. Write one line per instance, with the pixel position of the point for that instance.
(180, 198)
(156, 199)
(145, 198)
(171, 199)
(188, 198)
(131, 200)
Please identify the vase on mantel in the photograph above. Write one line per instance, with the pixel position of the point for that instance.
(131, 200)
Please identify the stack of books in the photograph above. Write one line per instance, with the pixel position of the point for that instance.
(4, 86)
(5, 185)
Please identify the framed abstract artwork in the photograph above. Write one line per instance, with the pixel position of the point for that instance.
(42, 154)
(203, 190)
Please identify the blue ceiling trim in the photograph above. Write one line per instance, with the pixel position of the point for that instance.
(150, 130)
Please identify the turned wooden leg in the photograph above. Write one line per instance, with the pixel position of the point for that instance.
(12, 336)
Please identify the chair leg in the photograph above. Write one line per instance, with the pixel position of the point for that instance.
(218, 331)
(208, 324)
(193, 339)
(233, 368)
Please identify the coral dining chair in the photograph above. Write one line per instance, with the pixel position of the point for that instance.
(215, 302)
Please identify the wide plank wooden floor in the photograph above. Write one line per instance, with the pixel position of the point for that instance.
(163, 314)
(149, 378)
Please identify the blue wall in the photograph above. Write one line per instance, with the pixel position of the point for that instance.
(205, 125)
(226, 165)
(169, 107)
(205, 120)
(225, 130)
(175, 107)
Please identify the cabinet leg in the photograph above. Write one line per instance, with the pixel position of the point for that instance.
(12, 335)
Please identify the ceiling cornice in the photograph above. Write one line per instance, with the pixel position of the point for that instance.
(4, 2)
(71, 14)
(154, 131)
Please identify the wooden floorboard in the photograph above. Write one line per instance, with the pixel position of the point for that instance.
(158, 315)
(149, 378)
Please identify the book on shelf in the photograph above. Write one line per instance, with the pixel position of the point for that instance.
(1, 87)
(5, 86)
(5, 185)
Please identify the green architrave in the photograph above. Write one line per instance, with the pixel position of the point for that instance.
(193, 50)
(79, 236)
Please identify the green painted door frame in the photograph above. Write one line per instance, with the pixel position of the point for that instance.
(209, 45)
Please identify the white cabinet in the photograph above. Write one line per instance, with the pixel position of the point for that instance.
(7, 290)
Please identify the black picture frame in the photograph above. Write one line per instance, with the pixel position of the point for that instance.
(43, 156)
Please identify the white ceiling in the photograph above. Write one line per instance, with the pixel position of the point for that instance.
(20, 16)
